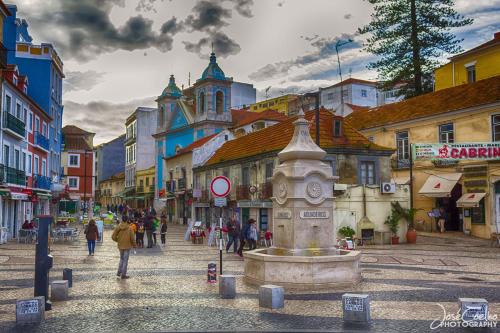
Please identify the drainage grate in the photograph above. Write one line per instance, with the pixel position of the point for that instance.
(465, 278)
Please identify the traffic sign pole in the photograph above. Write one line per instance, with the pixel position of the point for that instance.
(220, 188)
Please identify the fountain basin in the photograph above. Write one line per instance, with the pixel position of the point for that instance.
(304, 269)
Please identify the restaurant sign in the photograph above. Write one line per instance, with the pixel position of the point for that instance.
(456, 151)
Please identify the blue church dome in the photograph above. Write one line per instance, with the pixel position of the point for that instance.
(213, 70)
(172, 89)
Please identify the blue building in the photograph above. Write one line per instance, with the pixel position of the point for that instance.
(110, 158)
(186, 116)
(44, 67)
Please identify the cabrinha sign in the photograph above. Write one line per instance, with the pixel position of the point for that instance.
(456, 151)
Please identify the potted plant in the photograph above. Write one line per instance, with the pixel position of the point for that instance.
(409, 215)
(393, 222)
(347, 232)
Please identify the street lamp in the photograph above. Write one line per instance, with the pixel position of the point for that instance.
(337, 46)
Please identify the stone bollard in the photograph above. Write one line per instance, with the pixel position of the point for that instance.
(356, 308)
(68, 275)
(227, 286)
(59, 290)
(473, 309)
(271, 296)
(30, 311)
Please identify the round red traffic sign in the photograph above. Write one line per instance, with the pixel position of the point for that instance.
(220, 186)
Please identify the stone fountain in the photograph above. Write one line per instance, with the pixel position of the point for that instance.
(303, 255)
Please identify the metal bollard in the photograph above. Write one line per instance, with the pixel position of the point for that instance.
(68, 275)
(43, 260)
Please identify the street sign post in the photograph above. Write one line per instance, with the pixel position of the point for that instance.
(220, 188)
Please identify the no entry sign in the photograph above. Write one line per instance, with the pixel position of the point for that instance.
(220, 186)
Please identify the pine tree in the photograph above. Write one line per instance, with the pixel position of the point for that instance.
(409, 37)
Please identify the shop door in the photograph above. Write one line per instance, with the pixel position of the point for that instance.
(245, 215)
(263, 219)
(16, 215)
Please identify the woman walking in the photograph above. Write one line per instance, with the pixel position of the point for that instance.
(92, 234)
(163, 231)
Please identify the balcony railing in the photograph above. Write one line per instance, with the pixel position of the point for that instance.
(170, 185)
(14, 176)
(266, 191)
(42, 141)
(243, 192)
(14, 124)
(41, 182)
(182, 183)
(140, 189)
(3, 56)
(400, 164)
(152, 189)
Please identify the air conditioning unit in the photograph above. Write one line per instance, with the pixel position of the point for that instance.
(386, 188)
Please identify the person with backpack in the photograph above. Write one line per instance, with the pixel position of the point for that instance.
(156, 229)
(92, 234)
(244, 236)
(163, 231)
(148, 226)
(125, 239)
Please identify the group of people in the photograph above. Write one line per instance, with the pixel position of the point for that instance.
(27, 225)
(247, 234)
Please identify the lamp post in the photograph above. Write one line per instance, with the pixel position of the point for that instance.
(337, 46)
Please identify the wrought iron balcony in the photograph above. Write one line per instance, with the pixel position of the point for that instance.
(140, 189)
(14, 176)
(182, 183)
(400, 163)
(14, 124)
(2, 173)
(152, 189)
(170, 185)
(266, 191)
(243, 192)
(42, 182)
(42, 141)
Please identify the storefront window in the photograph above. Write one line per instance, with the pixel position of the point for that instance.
(477, 213)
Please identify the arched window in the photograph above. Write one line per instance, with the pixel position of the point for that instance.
(201, 102)
(162, 116)
(219, 102)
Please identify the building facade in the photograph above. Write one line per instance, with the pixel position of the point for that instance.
(250, 166)
(110, 158)
(111, 191)
(468, 113)
(145, 187)
(79, 166)
(139, 148)
(44, 67)
(351, 91)
(242, 94)
(476, 64)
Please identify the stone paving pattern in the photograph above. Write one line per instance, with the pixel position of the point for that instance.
(168, 290)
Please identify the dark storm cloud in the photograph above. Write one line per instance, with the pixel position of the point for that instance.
(104, 118)
(83, 29)
(172, 26)
(208, 15)
(223, 45)
(280, 91)
(323, 49)
(348, 16)
(243, 7)
(76, 80)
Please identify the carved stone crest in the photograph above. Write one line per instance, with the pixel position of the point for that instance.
(314, 190)
(282, 190)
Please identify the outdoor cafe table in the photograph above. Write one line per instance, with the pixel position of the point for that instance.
(63, 233)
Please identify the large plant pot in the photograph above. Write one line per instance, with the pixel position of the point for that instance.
(411, 236)
(394, 240)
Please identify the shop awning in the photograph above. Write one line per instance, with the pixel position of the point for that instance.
(470, 200)
(4, 192)
(440, 186)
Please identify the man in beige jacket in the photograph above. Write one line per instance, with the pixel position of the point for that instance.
(125, 238)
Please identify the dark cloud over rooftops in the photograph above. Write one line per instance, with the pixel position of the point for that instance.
(223, 45)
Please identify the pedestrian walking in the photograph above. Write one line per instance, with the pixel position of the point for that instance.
(148, 226)
(243, 237)
(156, 228)
(163, 231)
(140, 233)
(233, 231)
(125, 238)
(253, 235)
(92, 234)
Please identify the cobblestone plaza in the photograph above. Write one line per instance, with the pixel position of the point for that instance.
(167, 290)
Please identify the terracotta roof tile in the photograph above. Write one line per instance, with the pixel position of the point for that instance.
(192, 146)
(357, 107)
(482, 92)
(351, 81)
(251, 117)
(277, 137)
(75, 143)
(72, 129)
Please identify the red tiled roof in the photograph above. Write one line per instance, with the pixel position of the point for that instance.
(75, 143)
(255, 116)
(494, 41)
(482, 92)
(277, 137)
(192, 146)
(73, 130)
(357, 107)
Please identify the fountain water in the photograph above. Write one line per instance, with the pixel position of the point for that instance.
(304, 254)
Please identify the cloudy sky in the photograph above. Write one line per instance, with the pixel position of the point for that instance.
(118, 54)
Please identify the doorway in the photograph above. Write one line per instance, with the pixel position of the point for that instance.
(263, 219)
(245, 215)
(453, 221)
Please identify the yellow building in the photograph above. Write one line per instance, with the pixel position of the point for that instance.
(467, 113)
(145, 187)
(280, 104)
(479, 63)
(111, 190)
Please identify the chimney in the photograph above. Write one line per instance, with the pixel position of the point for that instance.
(497, 35)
